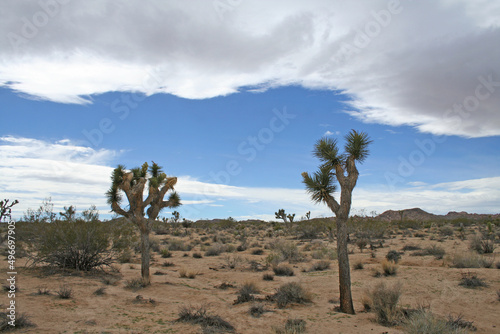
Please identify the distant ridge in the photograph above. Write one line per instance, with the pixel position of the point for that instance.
(421, 215)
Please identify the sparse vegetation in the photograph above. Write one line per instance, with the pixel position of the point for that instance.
(393, 256)
(471, 280)
(291, 293)
(383, 301)
(292, 326)
(65, 292)
(200, 316)
(434, 250)
(283, 270)
(423, 321)
(320, 266)
(470, 260)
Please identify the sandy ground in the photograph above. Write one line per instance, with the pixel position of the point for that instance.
(120, 310)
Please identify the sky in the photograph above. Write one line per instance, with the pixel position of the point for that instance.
(230, 96)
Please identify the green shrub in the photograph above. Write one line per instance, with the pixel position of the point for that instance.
(165, 253)
(324, 253)
(290, 293)
(74, 245)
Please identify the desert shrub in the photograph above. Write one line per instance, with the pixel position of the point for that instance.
(423, 321)
(292, 326)
(215, 249)
(383, 301)
(233, 261)
(358, 265)
(434, 250)
(459, 322)
(178, 245)
(134, 284)
(268, 277)
(482, 245)
(256, 310)
(283, 270)
(393, 256)
(100, 291)
(22, 321)
(165, 253)
(257, 251)
(470, 260)
(65, 292)
(446, 231)
(290, 293)
(209, 323)
(187, 274)
(389, 268)
(497, 265)
(168, 264)
(324, 253)
(74, 245)
(471, 280)
(287, 250)
(246, 292)
(362, 243)
(125, 256)
(411, 247)
(197, 255)
(320, 265)
(43, 291)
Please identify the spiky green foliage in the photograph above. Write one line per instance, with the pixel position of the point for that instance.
(327, 151)
(356, 145)
(320, 185)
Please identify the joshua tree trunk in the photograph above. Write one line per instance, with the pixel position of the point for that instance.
(145, 256)
(344, 268)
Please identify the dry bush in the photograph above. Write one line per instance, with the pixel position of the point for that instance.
(283, 270)
(324, 253)
(393, 256)
(187, 274)
(320, 265)
(389, 268)
(434, 250)
(209, 323)
(290, 293)
(268, 277)
(256, 310)
(22, 321)
(471, 280)
(383, 301)
(482, 245)
(65, 292)
(246, 292)
(470, 260)
(287, 250)
(292, 326)
(358, 265)
(216, 249)
(424, 321)
(134, 284)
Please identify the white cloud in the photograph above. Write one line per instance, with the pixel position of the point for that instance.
(405, 64)
(330, 133)
(33, 169)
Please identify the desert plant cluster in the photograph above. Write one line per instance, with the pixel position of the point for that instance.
(79, 274)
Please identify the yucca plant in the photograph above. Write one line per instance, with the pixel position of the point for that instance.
(132, 183)
(321, 186)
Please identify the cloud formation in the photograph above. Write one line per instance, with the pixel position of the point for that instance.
(432, 65)
(78, 175)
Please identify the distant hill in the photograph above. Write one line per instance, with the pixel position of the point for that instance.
(421, 215)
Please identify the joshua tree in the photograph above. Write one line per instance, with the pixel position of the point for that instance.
(281, 215)
(6, 208)
(69, 213)
(291, 217)
(132, 183)
(321, 187)
(308, 215)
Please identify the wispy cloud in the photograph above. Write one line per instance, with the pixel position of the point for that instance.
(330, 133)
(33, 169)
(442, 77)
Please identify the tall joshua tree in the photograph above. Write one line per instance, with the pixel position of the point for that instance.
(321, 187)
(132, 183)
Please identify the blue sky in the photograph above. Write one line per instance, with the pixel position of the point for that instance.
(231, 99)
